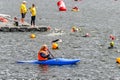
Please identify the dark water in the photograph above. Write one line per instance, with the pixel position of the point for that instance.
(100, 18)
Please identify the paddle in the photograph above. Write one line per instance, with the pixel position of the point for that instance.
(51, 53)
(57, 40)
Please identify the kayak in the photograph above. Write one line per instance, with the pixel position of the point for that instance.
(54, 61)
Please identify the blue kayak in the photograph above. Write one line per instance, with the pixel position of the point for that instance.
(54, 61)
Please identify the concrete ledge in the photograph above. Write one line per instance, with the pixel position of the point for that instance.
(23, 29)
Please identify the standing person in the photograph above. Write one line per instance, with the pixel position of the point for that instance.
(44, 53)
(33, 14)
(23, 11)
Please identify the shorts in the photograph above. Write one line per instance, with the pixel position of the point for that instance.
(33, 18)
(23, 15)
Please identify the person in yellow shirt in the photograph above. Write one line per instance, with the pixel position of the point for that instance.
(23, 11)
(33, 14)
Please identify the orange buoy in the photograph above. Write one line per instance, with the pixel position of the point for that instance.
(61, 5)
(118, 60)
(54, 45)
(32, 36)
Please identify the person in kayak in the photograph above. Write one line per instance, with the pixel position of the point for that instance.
(33, 14)
(44, 53)
(23, 11)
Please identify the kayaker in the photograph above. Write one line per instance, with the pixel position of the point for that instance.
(44, 53)
(33, 14)
(23, 11)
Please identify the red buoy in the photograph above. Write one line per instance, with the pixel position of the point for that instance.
(61, 5)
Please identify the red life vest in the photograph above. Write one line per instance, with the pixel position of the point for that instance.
(40, 57)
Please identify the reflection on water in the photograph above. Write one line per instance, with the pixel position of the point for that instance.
(43, 68)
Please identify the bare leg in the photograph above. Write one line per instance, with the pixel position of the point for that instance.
(22, 20)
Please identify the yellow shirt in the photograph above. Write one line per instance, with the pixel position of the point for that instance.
(33, 11)
(23, 8)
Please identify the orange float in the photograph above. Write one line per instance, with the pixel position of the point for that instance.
(118, 60)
